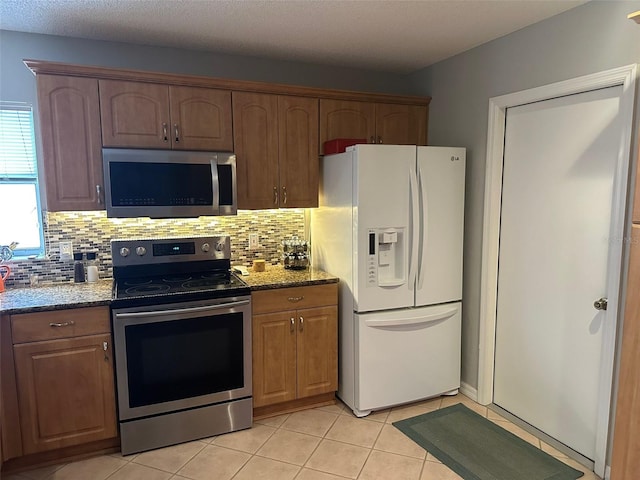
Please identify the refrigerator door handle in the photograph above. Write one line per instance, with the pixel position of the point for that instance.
(399, 322)
(415, 225)
(425, 231)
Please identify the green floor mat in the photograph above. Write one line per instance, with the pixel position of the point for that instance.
(478, 449)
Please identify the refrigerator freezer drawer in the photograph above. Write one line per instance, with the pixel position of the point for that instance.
(406, 355)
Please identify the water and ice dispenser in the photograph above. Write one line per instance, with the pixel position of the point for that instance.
(386, 259)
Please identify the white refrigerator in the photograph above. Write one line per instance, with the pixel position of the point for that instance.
(390, 226)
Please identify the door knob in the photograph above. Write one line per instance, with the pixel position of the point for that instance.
(600, 304)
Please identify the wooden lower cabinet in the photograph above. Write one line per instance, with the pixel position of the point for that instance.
(295, 346)
(64, 381)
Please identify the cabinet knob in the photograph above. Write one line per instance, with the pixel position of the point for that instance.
(99, 194)
(175, 126)
(301, 324)
(165, 138)
(379, 139)
(293, 325)
(284, 195)
(275, 195)
(371, 139)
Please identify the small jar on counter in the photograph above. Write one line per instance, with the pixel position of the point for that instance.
(92, 267)
(78, 267)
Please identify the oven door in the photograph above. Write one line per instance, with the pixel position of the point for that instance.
(178, 356)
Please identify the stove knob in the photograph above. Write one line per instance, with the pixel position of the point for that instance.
(205, 247)
(141, 251)
(124, 252)
(220, 246)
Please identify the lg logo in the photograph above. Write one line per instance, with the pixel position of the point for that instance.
(455, 159)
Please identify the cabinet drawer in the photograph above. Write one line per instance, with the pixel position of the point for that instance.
(281, 299)
(33, 327)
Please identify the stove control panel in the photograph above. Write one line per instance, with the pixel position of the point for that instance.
(169, 250)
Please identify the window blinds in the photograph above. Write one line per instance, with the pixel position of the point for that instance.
(17, 149)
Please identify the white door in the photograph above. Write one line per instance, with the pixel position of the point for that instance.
(441, 185)
(560, 157)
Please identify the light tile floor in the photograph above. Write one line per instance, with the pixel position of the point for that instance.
(326, 443)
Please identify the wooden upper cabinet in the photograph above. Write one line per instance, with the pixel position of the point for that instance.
(147, 115)
(276, 145)
(255, 137)
(401, 124)
(346, 119)
(298, 151)
(393, 124)
(69, 113)
(200, 119)
(134, 114)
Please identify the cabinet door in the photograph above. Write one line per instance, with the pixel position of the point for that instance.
(134, 114)
(346, 119)
(255, 137)
(69, 113)
(200, 119)
(66, 392)
(317, 354)
(401, 124)
(298, 151)
(274, 358)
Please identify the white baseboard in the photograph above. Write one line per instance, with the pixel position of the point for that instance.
(607, 473)
(468, 391)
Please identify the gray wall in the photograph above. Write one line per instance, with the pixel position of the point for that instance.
(17, 83)
(593, 37)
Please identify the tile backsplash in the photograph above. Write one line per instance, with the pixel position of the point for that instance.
(93, 231)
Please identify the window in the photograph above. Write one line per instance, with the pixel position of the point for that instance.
(19, 194)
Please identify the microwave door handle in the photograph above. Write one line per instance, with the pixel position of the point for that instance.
(215, 184)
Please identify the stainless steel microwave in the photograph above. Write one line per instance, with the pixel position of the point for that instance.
(169, 183)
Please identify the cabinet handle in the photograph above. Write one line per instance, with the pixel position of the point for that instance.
(65, 324)
(295, 299)
(371, 139)
(99, 194)
(164, 133)
(293, 325)
(105, 347)
(284, 195)
(301, 324)
(175, 126)
(275, 195)
(379, 139)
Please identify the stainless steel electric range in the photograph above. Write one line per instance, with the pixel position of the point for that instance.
(182, 336)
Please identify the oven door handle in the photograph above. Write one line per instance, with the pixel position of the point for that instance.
(156, 313)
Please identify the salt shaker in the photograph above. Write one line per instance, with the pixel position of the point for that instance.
(92, 267)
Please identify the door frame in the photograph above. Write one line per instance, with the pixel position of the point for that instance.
(623, 76)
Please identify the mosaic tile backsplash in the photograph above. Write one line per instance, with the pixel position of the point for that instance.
(93, 231)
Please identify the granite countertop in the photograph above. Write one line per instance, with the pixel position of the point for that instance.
(277, 276)
(73, 295)
(56, 296)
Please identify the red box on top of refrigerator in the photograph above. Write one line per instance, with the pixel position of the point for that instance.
(339, 145)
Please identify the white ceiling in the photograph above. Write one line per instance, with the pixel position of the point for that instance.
(391, 35)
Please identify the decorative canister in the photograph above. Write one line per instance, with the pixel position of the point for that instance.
(295, 254)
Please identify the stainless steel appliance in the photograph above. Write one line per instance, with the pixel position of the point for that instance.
(169, 183)
(182, 337)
